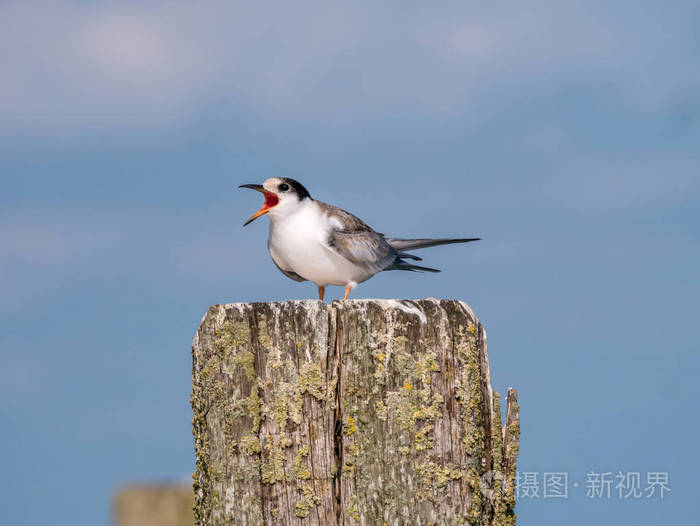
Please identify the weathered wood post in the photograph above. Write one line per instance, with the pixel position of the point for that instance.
(362, 412)
(155, 504)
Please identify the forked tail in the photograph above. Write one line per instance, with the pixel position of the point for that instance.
(403, 244)
(400, 264)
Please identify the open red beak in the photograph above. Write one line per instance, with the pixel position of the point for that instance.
(271, 200)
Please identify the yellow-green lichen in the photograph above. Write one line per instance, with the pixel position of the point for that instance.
(253, 407)
(272, 467)
(349, 427)
(286, 403)
(312, 380)
(498, 495)
(409, 406)
(423, 438)
(303, 507)
(380, 409)
(348, 467)
(497, 434)
(351, 508)
(250, 444)
(432, 477)
(263, 334)
(301, 470)
(230, 341)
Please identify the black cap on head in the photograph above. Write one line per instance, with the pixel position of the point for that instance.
(299, 189)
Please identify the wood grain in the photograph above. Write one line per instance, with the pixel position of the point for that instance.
(360, 412)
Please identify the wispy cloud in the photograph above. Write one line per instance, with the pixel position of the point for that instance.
(74, 69)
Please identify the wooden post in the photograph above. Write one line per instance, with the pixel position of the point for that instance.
(362, 412)
(157, 504)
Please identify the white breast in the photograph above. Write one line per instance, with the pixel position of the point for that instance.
(298, 243)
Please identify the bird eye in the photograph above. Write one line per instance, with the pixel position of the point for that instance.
(283, 187)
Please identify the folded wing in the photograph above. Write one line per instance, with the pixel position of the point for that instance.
(366, 249)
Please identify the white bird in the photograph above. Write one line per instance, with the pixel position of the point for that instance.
(321, 243)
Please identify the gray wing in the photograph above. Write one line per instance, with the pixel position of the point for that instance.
(289, 273)
(365, 249)
(358, 243)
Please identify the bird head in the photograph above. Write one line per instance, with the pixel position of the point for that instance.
(282, 196)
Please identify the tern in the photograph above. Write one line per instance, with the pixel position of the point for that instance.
(313, 241)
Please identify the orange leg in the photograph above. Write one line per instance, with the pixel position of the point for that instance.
(348, 288)
(321, 292)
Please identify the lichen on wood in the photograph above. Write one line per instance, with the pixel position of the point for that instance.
(359, 412)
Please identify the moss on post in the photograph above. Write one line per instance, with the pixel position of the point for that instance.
(359, 412)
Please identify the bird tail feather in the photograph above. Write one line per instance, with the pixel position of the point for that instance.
(407, 244)
(403, 265)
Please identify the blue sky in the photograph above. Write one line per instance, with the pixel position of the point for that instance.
(566, 134)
